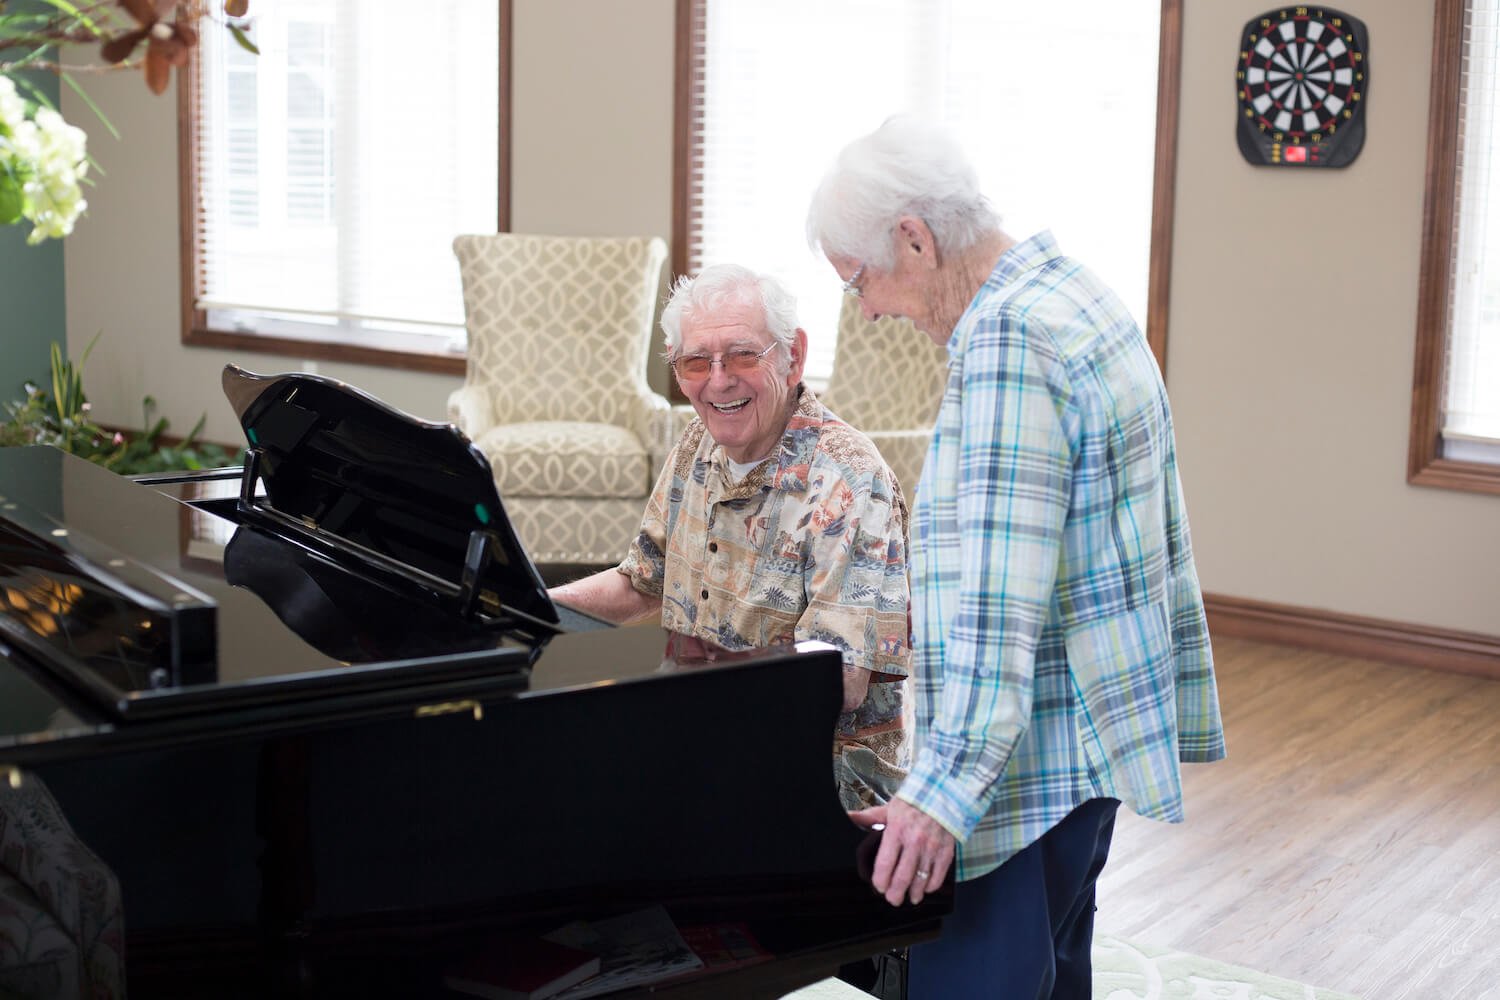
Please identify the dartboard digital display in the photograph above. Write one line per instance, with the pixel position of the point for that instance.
(1302, 78)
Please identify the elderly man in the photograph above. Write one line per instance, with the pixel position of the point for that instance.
(773, 521)
(1062, 662)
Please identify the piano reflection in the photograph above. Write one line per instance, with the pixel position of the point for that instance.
(320, 723)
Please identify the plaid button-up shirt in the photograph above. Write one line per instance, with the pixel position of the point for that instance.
(1061, 649)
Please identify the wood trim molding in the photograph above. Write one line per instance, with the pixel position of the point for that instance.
(1425, 464)
(1164, 182)
(188, 236)
(1351, 635)
(687, 96)
(507, 46)
(195, 331)
(371, 353)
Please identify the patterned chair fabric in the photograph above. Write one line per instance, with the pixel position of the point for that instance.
(887, 381)
(555, 391)
(62, 920)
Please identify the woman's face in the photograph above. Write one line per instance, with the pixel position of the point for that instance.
(920, 285)
(908, 291)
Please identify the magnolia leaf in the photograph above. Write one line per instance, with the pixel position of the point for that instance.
(144, 11)
(158, 71)
(117, 50)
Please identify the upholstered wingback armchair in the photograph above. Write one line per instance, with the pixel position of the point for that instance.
(62, 918)
(887, 381)
(555, 391)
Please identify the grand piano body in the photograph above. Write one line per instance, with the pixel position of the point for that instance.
(321, 721)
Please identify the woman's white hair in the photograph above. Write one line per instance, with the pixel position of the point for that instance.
(730, 284)
(905, 167)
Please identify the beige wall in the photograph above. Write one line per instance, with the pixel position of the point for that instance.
(1293, 317)
(1292, 313)
(592, 130)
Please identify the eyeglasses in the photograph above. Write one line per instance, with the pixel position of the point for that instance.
(696, 367)
(851, 287)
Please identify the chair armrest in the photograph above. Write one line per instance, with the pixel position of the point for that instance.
(904, 451)
(667, 425)
(472, 410)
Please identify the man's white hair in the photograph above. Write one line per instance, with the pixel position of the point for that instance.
(724, 284)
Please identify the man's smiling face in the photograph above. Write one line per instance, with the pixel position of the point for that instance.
(745, 412)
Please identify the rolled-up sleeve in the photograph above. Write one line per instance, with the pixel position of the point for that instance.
(645, 562)
(856, 575)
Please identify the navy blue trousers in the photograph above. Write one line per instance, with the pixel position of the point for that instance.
(1025, 930)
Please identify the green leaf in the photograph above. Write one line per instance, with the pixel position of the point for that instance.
(243, 39)
(197, 429)
(83, 94)
(34, 93)
(73, 12)
(10, 199)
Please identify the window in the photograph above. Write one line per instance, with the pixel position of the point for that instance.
(1455, 436)
(1058, 105)
(325, 178)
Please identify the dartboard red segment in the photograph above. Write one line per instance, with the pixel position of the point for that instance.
(1302, 81)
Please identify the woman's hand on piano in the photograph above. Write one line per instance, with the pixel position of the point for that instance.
(915, 851)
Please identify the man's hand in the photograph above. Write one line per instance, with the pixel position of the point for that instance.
(915, 851)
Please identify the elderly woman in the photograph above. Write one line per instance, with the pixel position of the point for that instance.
(773, 521)
(1062, 661)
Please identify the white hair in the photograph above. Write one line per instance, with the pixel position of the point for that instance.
(906, 167)
(724, 284)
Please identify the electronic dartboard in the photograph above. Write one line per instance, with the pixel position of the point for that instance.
(1302, 80)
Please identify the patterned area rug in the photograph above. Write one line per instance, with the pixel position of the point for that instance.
(1125, 970)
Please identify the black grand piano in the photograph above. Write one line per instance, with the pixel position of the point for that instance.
(320, 720)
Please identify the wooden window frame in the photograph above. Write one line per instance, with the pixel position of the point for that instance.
(685, 193)
(390, 351)
(1426, 465)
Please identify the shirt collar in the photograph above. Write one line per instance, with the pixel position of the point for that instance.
(780, 469)
(1024, 256)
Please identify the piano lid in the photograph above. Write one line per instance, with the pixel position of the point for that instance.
(399, 493)
(151, 606)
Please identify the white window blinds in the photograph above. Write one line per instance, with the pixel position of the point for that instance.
(1056, 104)
(336, 167)
(1471, 411)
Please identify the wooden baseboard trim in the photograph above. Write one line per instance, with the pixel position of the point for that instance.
(1351, 635)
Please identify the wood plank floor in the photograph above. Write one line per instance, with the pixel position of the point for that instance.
(1350, 841)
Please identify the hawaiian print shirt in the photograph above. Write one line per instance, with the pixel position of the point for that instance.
(810, 544)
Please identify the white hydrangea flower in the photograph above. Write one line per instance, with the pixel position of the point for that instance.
(12, 108)
(49, 157)
(55, 201)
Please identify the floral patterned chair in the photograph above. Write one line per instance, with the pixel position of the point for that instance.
(555, 391)
(62, 922)
(887, 381)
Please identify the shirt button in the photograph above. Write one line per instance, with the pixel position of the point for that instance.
(985, 671)
(705, 595)
(713, 546)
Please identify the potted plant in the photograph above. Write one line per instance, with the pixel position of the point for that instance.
(61, 419)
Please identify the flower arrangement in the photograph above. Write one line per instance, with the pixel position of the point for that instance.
(43, 159)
